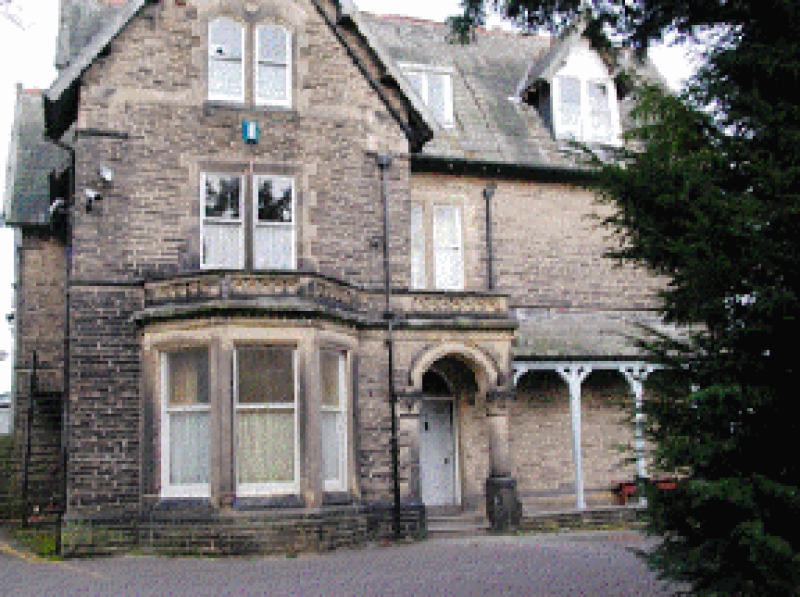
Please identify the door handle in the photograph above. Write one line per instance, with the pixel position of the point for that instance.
(447, 461)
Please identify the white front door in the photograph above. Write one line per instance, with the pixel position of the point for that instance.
(437, 453)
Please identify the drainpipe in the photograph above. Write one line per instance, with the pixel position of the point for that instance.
(384, 162)
(488, 193)
(65, 399)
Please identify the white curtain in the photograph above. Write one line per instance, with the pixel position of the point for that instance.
(188, 448)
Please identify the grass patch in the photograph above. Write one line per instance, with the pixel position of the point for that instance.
(41, 541)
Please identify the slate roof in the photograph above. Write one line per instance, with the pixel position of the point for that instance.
(31, 159)
(491, 124)
(81, 22)
(489, 77)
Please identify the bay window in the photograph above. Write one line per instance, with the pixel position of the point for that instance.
(185, 419)
(265, 400)
(238, 424)
(334, 401)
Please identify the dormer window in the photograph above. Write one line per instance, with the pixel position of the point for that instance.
(265, 50)
(434, 85)
(585, 110)
(575, 94)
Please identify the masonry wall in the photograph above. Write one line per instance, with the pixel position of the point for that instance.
(143, 112)
(39, 323)
(547, 242)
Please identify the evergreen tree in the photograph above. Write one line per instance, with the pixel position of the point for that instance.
(710, 199)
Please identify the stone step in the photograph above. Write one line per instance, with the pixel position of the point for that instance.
(453, 529)
(457, 524)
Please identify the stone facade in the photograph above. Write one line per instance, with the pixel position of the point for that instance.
(138, 292)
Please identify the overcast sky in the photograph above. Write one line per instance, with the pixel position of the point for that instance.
(26, 56)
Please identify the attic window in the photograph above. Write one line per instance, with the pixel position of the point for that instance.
(435, 87)
(225, 60)
(260, 53)
(273, 68)
(585, 110)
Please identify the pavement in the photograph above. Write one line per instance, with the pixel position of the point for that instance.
(576, 563)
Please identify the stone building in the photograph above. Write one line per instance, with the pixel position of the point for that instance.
(260, 239)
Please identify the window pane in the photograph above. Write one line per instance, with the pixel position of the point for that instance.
(446, 226)
(330, 363)
(222, 245)
(265, 375)
(273, 247)
(265, 446)
(225, 79)
(417, 80)
(188, 377)
(332, 445)
(189, 434)
(601, 111)
(222, 197)
(437, 96)
(448, 269)
(570, 105)
(272, 44)
(274, 199)
(417, 247)
(225, 39)
(272, 83)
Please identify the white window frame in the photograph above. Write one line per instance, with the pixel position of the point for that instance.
(185, 490)
(613, 125)
(226, 97)
(256, 224)
(220, 222)
(287, 101)
(267, 489)
(341, 410)
(437, 285)
(585, 131)
(419, 244)
(447, 119)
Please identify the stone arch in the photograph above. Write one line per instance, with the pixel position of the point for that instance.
(483, 366)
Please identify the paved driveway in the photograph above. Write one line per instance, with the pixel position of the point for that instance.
(587, 563)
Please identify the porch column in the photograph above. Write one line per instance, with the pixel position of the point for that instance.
(636, 375)
(502, 504)
(574, 377)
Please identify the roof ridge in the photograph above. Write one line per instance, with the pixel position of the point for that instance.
(483, 30)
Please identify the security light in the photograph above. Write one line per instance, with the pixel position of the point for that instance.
(106, 174)
(91, 197)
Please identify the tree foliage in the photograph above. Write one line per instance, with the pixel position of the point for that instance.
(710, 199)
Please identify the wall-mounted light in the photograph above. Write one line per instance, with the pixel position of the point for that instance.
(106, 174)
(91, 197)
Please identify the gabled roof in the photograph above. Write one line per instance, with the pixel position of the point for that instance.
(82, 38)
(31, 159)
(492, 124)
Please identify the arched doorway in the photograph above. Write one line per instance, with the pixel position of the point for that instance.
(447, 380)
